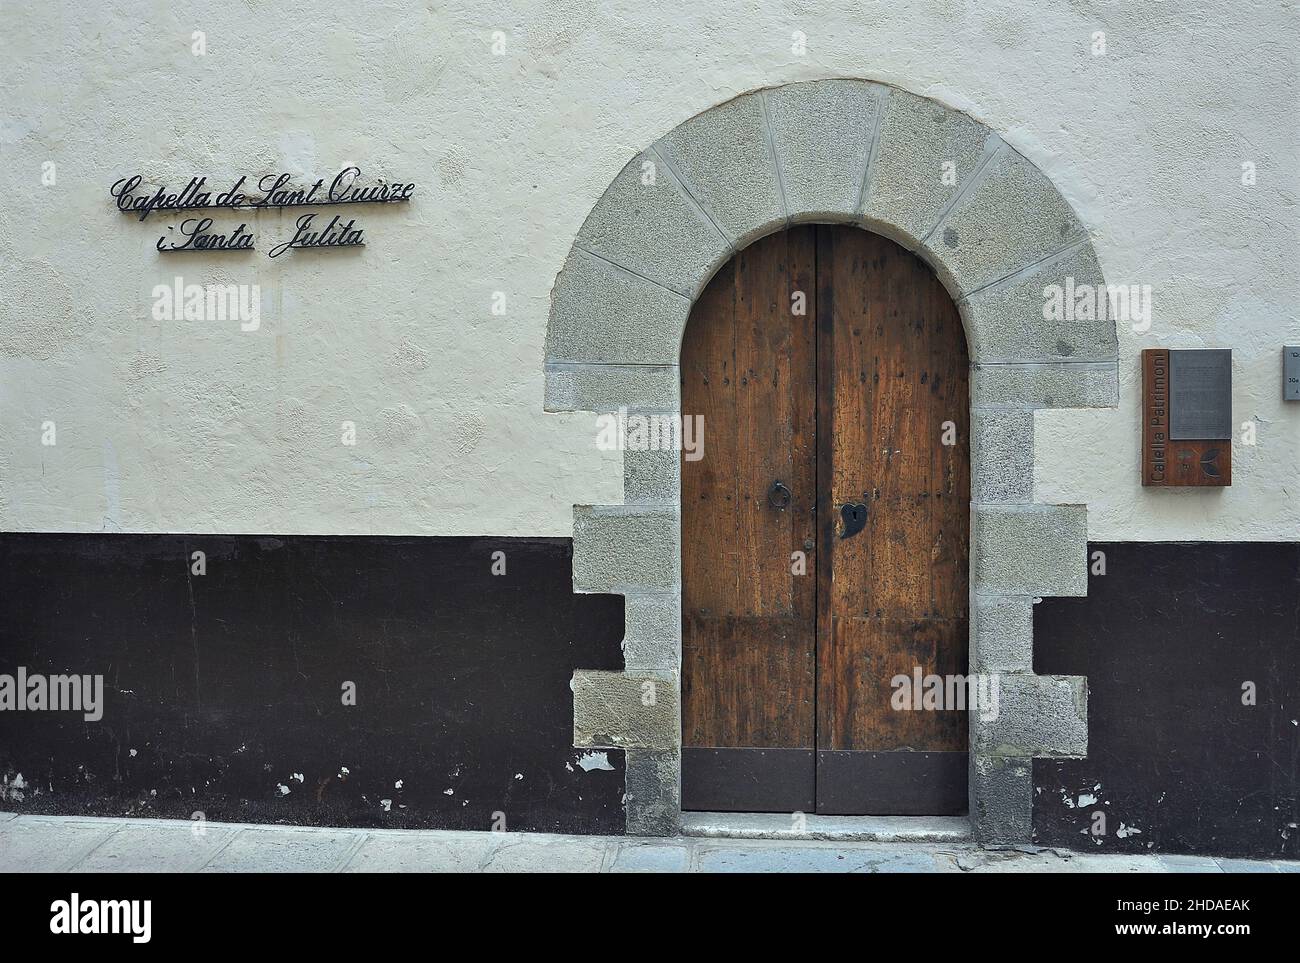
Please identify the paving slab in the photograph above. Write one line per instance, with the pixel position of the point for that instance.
(528, 853)
(1176, 863)
(1051, 861)
(755, 857)
(30, 843)
(285, 851)
(424, 852)
(155, 848)
(35, 844)
(1246, 866)
(646, 857)
(1088, 863)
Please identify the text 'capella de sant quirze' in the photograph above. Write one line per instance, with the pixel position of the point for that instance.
(275, 191)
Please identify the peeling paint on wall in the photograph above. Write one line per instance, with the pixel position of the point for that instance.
(225, 691)
(1180, 759)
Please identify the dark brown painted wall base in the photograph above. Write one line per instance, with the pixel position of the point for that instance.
(222, 688)
(1176, 762)
(223, 692)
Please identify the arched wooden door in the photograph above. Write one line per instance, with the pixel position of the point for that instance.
(824, 531)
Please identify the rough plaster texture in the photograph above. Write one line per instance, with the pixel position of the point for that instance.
(185, 426)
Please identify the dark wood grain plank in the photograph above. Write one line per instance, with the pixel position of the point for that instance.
(748, 620)
(894, 367)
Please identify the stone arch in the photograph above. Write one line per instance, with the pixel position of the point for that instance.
(995, 231)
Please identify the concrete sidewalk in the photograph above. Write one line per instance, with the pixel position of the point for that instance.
(83, 844)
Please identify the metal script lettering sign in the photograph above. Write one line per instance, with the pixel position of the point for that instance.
(198, 234)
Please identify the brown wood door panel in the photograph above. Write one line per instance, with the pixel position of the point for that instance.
(748, 632)
(864, 655)
(747, 682)
(844, 404)
(892, 369)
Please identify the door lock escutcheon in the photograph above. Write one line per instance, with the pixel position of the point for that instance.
(778, 496)
(855, 518)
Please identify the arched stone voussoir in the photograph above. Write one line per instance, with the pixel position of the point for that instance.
(1056, 310)
(1008, 218)
(723, 159)
(604, 314)
(822, 135)
(648, 225)
(925, 155)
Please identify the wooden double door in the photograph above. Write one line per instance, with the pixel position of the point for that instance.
(824, 531)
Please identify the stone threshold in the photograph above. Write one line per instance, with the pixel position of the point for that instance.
(880, 829)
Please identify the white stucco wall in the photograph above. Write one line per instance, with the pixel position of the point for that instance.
(198, 426)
